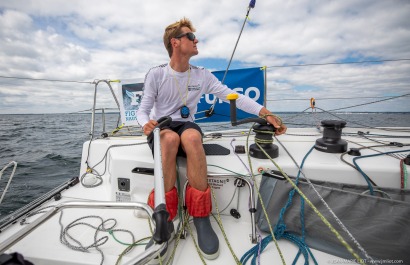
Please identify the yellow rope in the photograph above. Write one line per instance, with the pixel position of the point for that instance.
(261, 201)
(117, 129)
(273, 115)
(193, 239)
(219, 222)
(128, 248)
(324, 220)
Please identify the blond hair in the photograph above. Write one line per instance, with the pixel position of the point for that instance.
(174, 30)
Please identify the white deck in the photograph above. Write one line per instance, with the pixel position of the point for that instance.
(43, 245)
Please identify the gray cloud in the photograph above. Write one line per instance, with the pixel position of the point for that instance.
(87, 40)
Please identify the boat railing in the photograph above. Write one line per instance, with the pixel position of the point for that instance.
(10, 178)
(96, 83)
(142, 258)
(20, 213)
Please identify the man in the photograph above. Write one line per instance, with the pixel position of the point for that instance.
(174, 89)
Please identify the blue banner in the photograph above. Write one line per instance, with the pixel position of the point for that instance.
(129, 98)
(249, 82)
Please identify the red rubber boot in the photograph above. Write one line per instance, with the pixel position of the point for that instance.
(199, 205)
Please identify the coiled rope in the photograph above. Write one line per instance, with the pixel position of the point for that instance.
(74, 244)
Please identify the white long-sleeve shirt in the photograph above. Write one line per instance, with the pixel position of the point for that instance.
(165, 91)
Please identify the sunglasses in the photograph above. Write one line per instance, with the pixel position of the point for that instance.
(189, 35)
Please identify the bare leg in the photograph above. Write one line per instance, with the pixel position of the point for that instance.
(198, 195)
(191, 141)
(169, 149)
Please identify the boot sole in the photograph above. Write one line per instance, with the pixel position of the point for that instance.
(210, 256)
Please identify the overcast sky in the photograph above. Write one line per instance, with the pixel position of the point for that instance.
(84, 40)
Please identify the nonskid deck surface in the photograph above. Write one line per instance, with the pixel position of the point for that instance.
(115, 157)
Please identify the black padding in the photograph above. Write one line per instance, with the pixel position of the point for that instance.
(216, 150)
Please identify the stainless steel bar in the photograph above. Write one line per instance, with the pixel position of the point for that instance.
(74, 204)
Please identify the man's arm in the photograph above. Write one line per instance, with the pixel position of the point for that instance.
(245, 104)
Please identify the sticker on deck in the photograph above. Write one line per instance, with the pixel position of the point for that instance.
(122, 197)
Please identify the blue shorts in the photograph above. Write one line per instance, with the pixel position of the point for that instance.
(179, 127)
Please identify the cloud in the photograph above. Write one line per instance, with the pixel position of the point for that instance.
(86, 40)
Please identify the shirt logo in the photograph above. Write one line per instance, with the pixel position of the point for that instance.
(194, 87)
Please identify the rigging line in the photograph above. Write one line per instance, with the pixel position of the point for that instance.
(314, 208)
(114, 112)
(260, 198)
(304, 99)
(49, 80)
(324, 64)
(363, 125)
(344, 228)
(370, 148)
(368, 103)
(251, 5)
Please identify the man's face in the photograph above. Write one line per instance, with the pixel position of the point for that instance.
(187, 45)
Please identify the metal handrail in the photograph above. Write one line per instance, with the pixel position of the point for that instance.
(18, 214)
(108, 82)
(10, 178)
(143, 258)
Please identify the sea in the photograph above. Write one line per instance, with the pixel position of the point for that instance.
(47, 147)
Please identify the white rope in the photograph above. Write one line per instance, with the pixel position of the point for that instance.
(10, 178)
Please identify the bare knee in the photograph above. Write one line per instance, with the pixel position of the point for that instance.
(169, 141)
(191, 139)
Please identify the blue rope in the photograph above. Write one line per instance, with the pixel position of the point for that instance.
(364, 174)
(303, 249)
(280, 230)
(281, 226)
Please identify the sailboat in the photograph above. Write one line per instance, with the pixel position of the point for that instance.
(327, 194)
(330, 194)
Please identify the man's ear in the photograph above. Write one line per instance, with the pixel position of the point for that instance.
(174, 42)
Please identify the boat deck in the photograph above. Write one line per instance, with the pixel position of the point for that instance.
(119, 155)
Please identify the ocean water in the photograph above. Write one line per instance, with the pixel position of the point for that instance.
(48, 147)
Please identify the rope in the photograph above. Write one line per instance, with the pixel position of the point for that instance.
(219, 222)
(91, 169)
(373, 155)
(10, 178)
(126, 250)
(344, 228)
(351, 122)
(251, 5)
(368, 103)
(261, 201)
(49, 80)
(322, 64)
(323, 219)
(403, 175)
(280, 227)
(66, 239)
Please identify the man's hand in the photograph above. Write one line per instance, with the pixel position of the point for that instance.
(277, 123)
(274, 120)
(149, 127)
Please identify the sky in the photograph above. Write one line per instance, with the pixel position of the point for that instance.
(80, 41)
